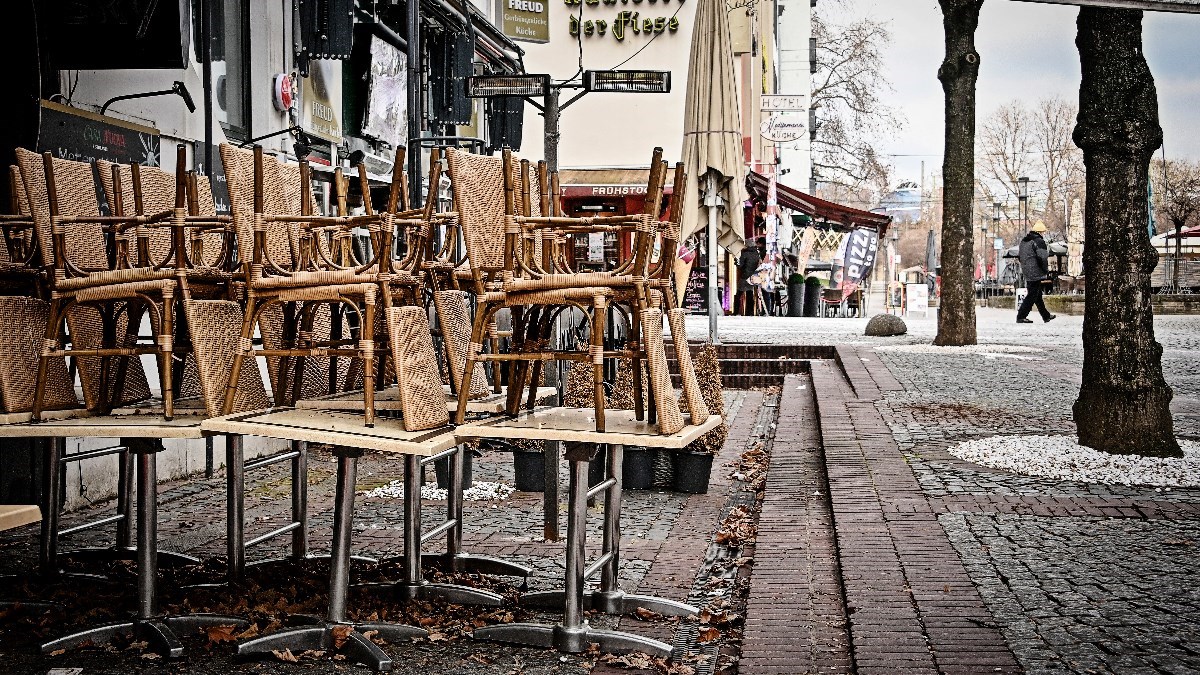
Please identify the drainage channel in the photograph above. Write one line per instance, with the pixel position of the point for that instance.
(723, 582)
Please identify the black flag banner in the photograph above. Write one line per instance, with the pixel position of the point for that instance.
(862, 246)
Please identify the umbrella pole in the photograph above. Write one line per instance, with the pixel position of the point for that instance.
(712, 201)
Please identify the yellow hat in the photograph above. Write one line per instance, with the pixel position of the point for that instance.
(1039, 226)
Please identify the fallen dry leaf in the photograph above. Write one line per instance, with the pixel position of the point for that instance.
(219, 634)
(708, 634)
(285, 655)
(341, 633)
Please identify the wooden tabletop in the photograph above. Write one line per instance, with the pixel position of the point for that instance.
(16, 515)
(389, 399)
(336, 427)
(579, 424)
(107, 426)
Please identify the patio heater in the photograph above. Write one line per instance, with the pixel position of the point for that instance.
(540, 85)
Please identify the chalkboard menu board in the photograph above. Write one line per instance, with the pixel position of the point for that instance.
(695, 294)
(70, 133)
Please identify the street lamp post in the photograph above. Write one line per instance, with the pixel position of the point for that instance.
(996, 233)
(983, 230)
(1023, 200)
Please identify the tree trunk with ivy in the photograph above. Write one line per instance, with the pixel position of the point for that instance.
(958, 74)
(1124, 401)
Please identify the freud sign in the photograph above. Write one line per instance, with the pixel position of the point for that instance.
(527, 20)
(1192, 6)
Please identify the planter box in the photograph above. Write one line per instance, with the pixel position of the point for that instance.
(692, 470)
(637, 470)
(442, 469)
(530, 469)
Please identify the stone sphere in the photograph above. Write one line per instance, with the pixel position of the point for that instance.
(885, 325)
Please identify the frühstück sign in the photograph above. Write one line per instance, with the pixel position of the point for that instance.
(1150, 5)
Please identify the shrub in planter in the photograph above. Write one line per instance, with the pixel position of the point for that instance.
(693, 465)
(529, 466)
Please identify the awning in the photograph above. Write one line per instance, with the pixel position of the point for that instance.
(819, 209)
(622, 182)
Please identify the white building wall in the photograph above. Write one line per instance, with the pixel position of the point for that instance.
(795, 77)
(605, 129)
(270, 53)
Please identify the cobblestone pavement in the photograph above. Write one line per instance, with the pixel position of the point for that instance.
(1078, 578)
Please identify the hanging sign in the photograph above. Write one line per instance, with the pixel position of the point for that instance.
(781, 102)
(321, 100)
(1192, 6)
(783, 128)
(525, 20)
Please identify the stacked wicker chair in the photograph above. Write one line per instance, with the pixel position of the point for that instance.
(271, 238)
(71, 235)
(516, 276)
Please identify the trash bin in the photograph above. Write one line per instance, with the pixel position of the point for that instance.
(795, 292)
(812, 296)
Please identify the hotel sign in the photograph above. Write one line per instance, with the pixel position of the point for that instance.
(1192, 6)
(783, 102)
(526, 20)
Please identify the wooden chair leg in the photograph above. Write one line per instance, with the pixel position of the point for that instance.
(246, 346)
(464, 388)
(600, 309)
(52, 335)
(303, 341)
(166, 339)
(635, 344)
(366, 343)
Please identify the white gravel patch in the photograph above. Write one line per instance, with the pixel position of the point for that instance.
(479, 492)
(982, 350)
(1063, 458)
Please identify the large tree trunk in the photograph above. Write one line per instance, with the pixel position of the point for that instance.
(960, 70)
(1124, 403)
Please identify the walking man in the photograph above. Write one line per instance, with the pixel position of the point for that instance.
(1035, 263)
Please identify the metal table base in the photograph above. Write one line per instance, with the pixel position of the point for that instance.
(54, 462)
(148, 625)
(413, 585)
(319, 634)
(574, 634)
(236, 467)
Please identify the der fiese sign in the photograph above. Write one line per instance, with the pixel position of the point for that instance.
(628, 22)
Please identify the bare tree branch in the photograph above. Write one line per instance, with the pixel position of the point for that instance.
(848, 93)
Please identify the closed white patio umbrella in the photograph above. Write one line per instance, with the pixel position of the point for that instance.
(712, 144)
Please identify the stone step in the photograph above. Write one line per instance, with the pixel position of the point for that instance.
(752, 366)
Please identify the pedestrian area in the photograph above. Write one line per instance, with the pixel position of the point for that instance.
(838, 536)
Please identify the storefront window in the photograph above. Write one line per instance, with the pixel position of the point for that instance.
(230, 44)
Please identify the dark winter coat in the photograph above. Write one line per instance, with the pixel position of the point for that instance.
(1035, 257)
(747, 264)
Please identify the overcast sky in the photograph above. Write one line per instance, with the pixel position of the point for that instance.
(1028, 52)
